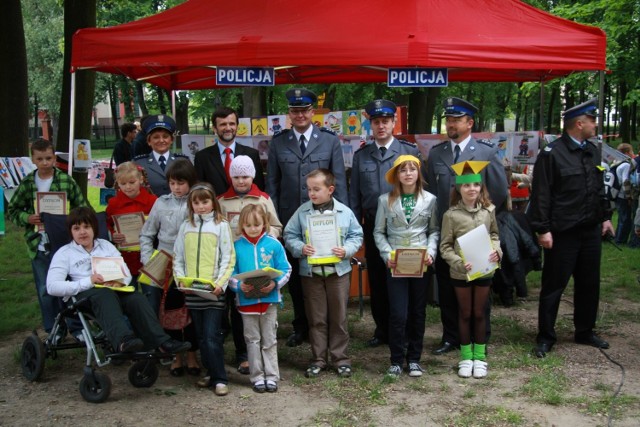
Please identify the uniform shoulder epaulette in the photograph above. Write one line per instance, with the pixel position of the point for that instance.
(361, 148)
(486, 142)
(440, 144)
(327, 130)
(180, 156)
(280, 132)
(411, 144)
(141, 156)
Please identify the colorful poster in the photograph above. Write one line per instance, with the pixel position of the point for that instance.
(318, 120)
(333, 121)
(276, 123)
(244, 127)
(259, 126)
(81, 154)
(191, 144)
(351, 122)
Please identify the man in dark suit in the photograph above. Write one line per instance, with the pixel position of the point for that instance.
(212, 165)
(293, 153)
(123, 150)
(159, 130)
(210, 162)
(370, 163)
(461, 146)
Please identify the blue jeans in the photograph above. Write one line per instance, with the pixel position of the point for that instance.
(208, 323)
(625, 221)
(407, 315)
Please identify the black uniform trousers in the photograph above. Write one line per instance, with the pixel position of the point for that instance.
(300, 325)
(449, 305)
(377, 274)
(575, 252)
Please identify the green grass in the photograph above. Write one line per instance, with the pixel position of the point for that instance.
(486, 416)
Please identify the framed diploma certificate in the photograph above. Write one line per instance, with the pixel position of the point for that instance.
(53, 202)
(156, 268)
(323, 236)
(409, 262)
(110, 268)
(130, 225)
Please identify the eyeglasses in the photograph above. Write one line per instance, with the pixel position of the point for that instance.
(298, 111)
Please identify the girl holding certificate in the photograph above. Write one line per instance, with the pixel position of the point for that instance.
(406, 219)
(470, 208)
(131, 198)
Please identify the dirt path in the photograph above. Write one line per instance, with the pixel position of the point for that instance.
(438, 398)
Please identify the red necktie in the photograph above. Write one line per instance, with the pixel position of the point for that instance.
(227, 163)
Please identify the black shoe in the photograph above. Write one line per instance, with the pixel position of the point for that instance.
(593, 340)
(541, 349)
(243, 368)
(375, 342)
(177, 372)
(131, 344)
(295, 339)
(446, 347)
(174, 346)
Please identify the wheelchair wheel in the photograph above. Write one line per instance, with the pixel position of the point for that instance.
(96, 387)
(32, 357)
(143, 373)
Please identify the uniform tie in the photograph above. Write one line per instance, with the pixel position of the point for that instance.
(227, 163)
(383, 151)
(456, 153)
(163, 162)
(303, 147)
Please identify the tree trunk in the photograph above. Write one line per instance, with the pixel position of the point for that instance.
(182, 113)
(552, 102)
(518, 107)
(254, 100)
(625, 132)
(161, 104)
(417, 111)
(330, 97)
(14, 98)
(141, 101)
(77, 14)
(634, 121)
(503, 102)
(114, 104)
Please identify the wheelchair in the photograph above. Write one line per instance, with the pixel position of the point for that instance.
(95, 386)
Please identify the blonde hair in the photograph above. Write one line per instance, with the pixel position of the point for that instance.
(128, 169)
(397, 185)
(203, 191)
(253, 212)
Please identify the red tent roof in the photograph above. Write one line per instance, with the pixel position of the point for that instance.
(342, 41)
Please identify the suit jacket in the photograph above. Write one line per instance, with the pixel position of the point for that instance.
(287, 168)
(441, 177)
(155, 175)
(367, 175)
(210, 168)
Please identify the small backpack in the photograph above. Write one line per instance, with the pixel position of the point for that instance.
(612, 183)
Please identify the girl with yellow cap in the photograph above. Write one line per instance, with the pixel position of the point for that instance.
(406, 218)
(470, 207)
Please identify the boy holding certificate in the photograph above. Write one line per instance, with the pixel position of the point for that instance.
(325, 234)
(23, 211)
(406, 222)
(470, 207)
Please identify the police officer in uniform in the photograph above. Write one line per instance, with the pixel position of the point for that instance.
(159, 130)
(293, 153)
(569, 212)
(370, 163)
(461, 146)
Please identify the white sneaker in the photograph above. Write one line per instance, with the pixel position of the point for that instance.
(394, 371)
(415, 370)
(479, 369)
(465, 368)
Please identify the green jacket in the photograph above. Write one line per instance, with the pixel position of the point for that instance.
(22, 203)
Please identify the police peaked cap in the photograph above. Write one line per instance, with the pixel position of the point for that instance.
(380, 108)
(589, 108)
(299, 97)
(159, 121)
(458, 107)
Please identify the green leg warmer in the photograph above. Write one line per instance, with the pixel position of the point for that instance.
(479, 351)
(466, 352)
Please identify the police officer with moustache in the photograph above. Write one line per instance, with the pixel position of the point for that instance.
(370, 163)
(293, 153)
(569, 212)
(460, 147)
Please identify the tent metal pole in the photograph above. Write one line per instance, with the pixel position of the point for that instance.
(601, 103)
(173, 104)
(541, 119)
(72, 120)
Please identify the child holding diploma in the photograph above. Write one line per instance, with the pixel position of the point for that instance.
(71, 274)
(166, 217)
(325, 285)
(257, 249)
(204, 253)
(406, 218)
(131, 197)
(470, 207)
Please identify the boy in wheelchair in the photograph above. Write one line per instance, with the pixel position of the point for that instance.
(70, 274)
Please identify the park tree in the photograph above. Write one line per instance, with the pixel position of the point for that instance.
(14, 113)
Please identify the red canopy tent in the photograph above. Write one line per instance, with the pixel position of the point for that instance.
(342, 41)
